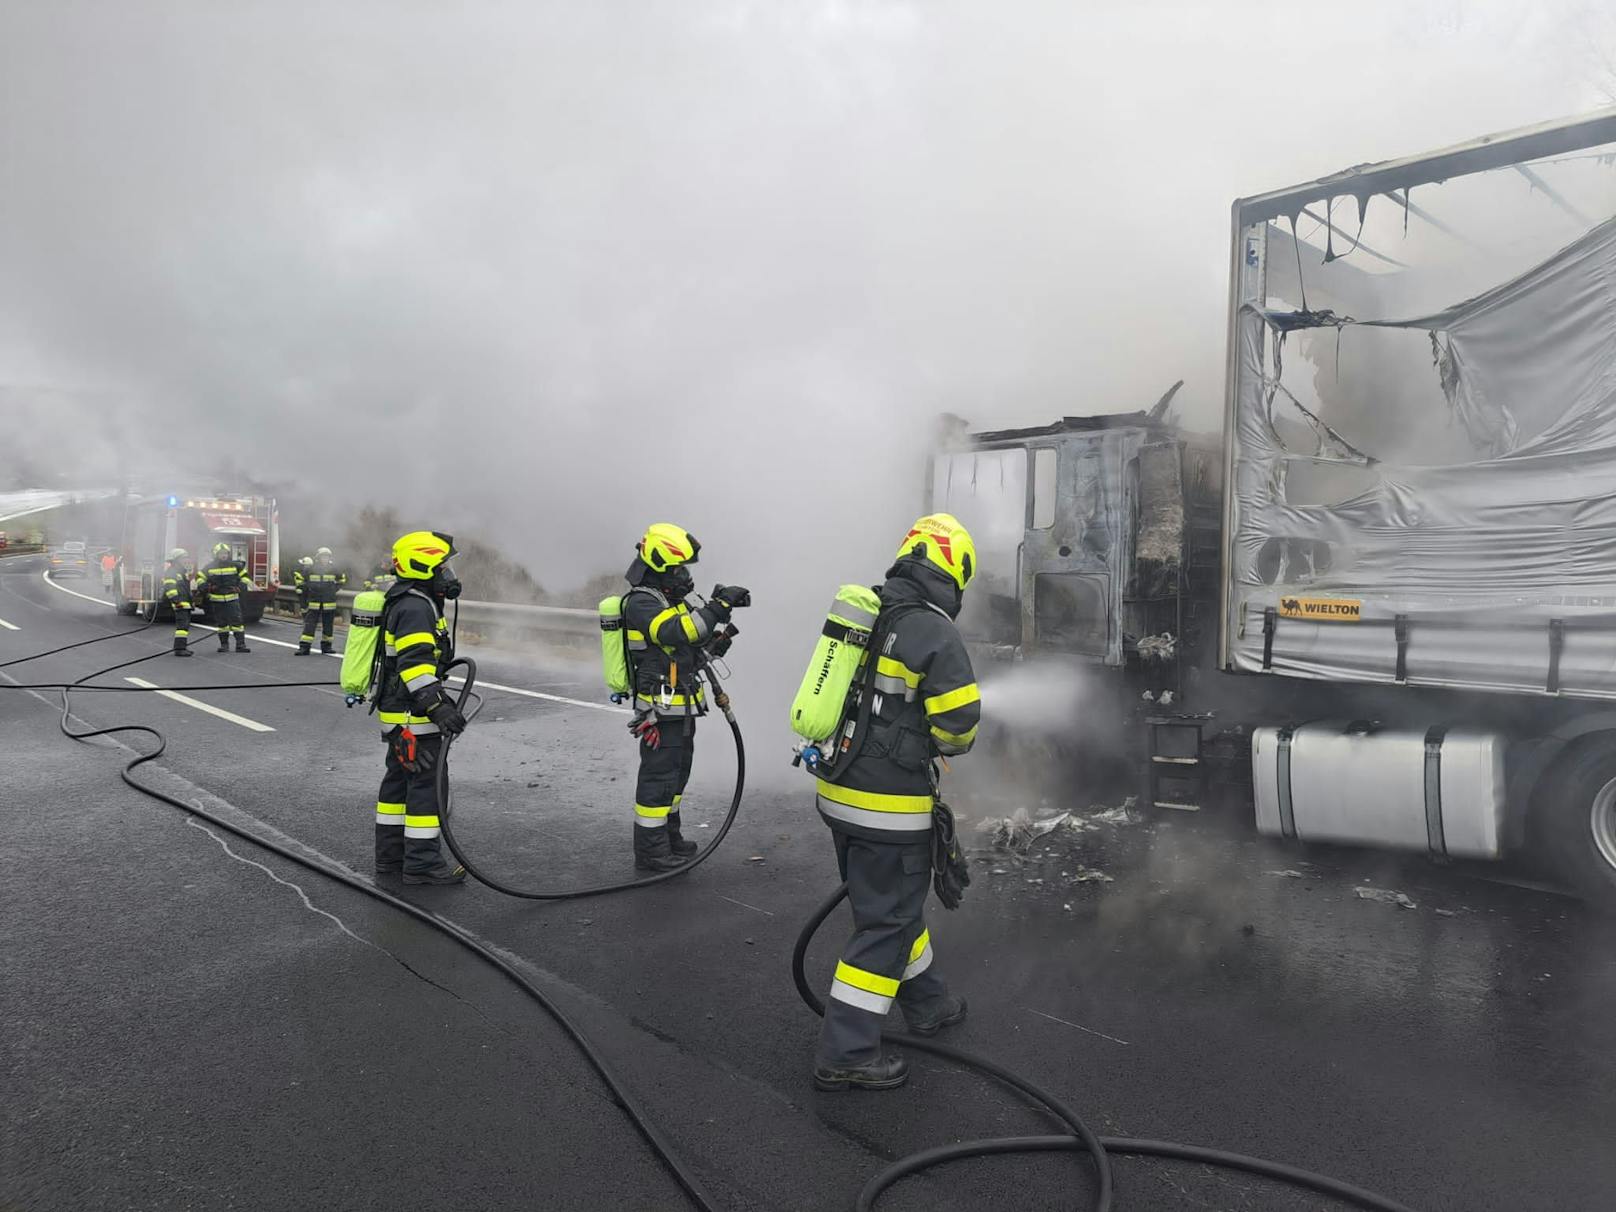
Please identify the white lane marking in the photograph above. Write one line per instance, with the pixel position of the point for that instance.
(201, 706)
(9, 626)
(742, 904)
(46, 577)
(260, 638)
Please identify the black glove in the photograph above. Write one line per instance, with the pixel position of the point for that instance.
(731, 597)
(447, 717)
(952, 873)
(720, 643)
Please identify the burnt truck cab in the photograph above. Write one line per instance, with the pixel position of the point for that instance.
(1086, 530)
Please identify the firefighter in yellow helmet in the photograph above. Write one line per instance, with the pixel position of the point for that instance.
(920, 702)
(414, 709)
(225, 577)
(665, 634)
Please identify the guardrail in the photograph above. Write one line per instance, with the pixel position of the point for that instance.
(556, 620)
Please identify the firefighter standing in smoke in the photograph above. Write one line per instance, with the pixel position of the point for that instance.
(318, 581)
(177, 593)
(224, 578)
(663, 635)
(414, 709)
(881, 810)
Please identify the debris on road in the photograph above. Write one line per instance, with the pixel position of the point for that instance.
(1289, 873)
(1385, 896)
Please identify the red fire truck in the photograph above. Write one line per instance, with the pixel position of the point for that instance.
(155, 525)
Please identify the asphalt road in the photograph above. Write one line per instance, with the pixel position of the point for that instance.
(191, 1023)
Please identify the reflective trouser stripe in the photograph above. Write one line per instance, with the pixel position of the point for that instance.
(417, 724)
(867, 990)
(389, 813)
(919, 956)
(421, 826)
(222, 597)
(650, 815)
(898, 822)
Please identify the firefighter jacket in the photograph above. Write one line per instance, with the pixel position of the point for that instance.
(925, 704)
(224, 579)
(663, 637)
(318, 586)
(177, 585)
(415, 648)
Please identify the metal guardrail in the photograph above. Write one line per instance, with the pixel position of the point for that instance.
(560, 620)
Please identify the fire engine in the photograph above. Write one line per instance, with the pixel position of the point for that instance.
(155, 525)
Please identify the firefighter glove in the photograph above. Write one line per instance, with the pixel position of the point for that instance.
(447, 717)
(411, 754)
(647, 731)
(731, 597)
(952, 874)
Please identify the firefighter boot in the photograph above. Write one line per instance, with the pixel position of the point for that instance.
(441, 874)
(327, 648)
(950, 1011)
(224, 641)
(886, 1072)
(676, 840)
(181, 648)
(302, 650)
(424, 863)
(651, 850)
(241, 642)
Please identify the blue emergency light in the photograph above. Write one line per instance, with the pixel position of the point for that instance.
(173, 502)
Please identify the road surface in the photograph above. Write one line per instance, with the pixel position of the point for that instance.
(192, 1023)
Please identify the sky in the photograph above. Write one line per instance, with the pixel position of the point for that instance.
(546, 272)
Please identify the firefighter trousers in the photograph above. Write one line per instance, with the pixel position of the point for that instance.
(889, 957)
(664, 772)
(227, 618)
(182, 626)
(407, 829)
(322, 615)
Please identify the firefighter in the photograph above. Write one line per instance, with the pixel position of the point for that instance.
(880, 808)
(318, 581)
(225, 577)
(414, 709)
(381, 576)
(177, 593)
(664, 636)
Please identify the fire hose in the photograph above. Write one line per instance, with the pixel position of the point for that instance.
(446, 811)
(1078, 1139)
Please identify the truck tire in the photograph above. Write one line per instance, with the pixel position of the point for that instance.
(123, 604)
(1579, 822)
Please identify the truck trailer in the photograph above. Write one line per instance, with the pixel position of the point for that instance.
(1393, 574)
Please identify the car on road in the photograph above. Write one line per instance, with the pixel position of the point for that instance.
(70, 559)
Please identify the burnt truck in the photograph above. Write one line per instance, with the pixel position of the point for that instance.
(153, 525)
(1390, 582)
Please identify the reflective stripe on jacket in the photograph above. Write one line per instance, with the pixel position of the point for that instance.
(224, 579)
(662, 639)
(177, 585)
(319, 587)
(926, 703)
(416, 647)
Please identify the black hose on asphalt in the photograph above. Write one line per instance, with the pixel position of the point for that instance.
(1079, 1140)
(664, 1149)
(720, 698)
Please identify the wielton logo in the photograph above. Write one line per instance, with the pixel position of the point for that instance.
(1321, 610)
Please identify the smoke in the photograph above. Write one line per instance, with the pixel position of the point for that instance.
(540, 273)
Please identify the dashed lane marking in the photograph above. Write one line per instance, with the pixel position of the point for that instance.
(259, 637)
(242, 720)
(9, 626)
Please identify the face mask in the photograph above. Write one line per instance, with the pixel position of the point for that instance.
(678, 582)
(446, 582)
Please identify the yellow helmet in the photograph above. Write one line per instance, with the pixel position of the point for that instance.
(418, 554)
(667, 546)
(939, 540)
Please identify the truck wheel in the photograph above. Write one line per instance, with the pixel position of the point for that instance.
(124, 605)
(1580, 823)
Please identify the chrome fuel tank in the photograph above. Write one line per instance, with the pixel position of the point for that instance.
(1438, 789)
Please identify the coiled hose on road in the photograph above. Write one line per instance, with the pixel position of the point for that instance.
(445, 802)
(1079, 1139)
